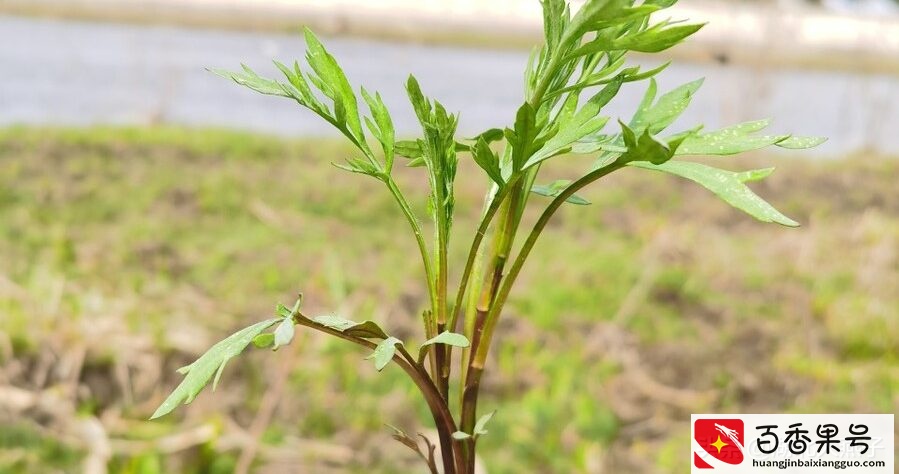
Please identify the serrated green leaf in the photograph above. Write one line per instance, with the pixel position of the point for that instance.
(384, 352)
(651, 116)
(264, 340)
(647, 148)
(358, 165)
(523, 136)
(727, 185)
(730, 140)
(798, 143)
(283, 333)
(554, 19)
(481, 425)
(384, 131)
(420, 104)
(556, 188)
(487, 160)
(579, 125)
(657, 117)
(300, 91)
(210, 363)
(439, 155)
(740, 138)
(625, 15)
(333, 83)
(592, 12)
(654, 40)
(409, 149)
(250, 79)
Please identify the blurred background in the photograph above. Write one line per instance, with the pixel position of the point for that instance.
(148, 208)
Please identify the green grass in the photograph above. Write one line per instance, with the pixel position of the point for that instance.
(141, 247)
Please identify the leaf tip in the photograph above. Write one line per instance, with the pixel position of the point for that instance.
(787, 222)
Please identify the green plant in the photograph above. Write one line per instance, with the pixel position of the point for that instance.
(569, 80)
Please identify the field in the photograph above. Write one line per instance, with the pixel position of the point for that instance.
(124, 253)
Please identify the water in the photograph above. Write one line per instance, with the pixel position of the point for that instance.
(79, 73)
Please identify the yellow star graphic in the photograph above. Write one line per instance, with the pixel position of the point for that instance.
(719, 444)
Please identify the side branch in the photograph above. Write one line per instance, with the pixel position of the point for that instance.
(446, 426)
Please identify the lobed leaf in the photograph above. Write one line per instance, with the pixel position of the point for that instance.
(333, 83)
(798, 143)
(358, 165)
(409, 148)
(657, 116)
(727, 185)
(420, 104)
(487, 160)
(652, 40)
(655, 40)
(524, 134)
(592, 12)
(652, 116)
(555, 19)
(300, 91)
(647, 148)
(211, 363)
(250, 79)
(383, 125)
(740, 138)
(574, 127)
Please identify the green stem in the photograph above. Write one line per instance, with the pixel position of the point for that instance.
(427, 316)
(422, 247)
(441, 351)
(496, 307)
(486, 220)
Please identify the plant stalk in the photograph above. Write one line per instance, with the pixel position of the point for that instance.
(453, 460)
(428, 316)
(480, 355)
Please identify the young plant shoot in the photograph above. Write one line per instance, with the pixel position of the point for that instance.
(569, 80)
